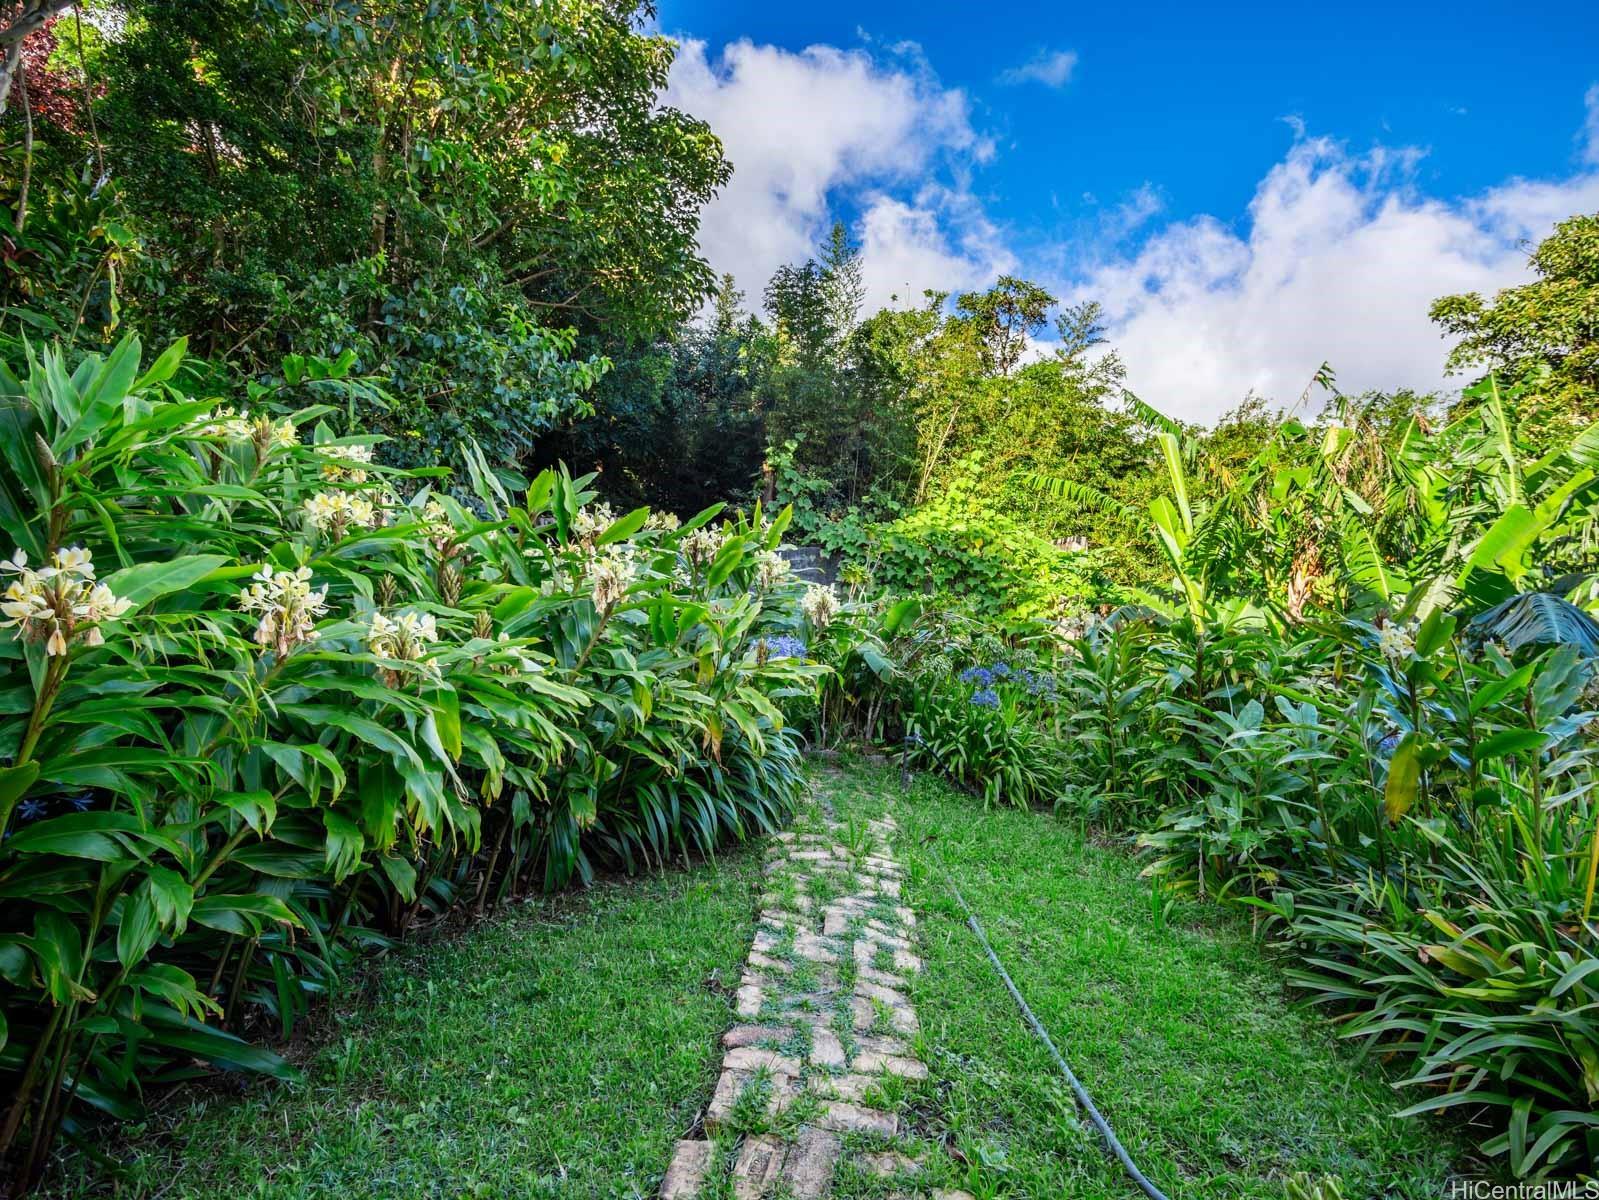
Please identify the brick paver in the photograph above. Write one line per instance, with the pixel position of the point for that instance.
(825, 1022)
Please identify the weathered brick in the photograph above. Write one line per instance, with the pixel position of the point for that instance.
(869, 1061)
(751, 1035)
(808, 1167)
(756, 1058)
(691, 1161)
(844, 1117)
(756, 1169)
(826, 1049)
(889, 1162)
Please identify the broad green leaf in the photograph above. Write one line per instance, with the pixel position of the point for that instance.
(145, 582)
(1510, 741)
(623, 527)
(1404, 779)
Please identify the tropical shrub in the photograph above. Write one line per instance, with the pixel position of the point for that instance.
(956, 546)
(984, 732)
(267, 704)
(1410, 810)
(1364, 710)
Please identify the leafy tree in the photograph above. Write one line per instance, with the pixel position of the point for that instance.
(1547, 330)
(479, 199)
(678, 423)
(1004, 318)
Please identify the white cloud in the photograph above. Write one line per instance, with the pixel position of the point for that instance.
(1052, 68)
(803, 129)
(1338, 261)
(940, 239)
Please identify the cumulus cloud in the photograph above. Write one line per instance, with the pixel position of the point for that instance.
(939, 239)
(807, 129)
(1337, 258)
(1338, 261)
(1052, 68)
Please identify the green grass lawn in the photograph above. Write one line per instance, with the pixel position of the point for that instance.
(1182, 1032)
(557, 1050)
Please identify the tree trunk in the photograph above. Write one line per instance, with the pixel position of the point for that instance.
(34, 14)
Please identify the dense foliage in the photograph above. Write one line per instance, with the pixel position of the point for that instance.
(1364, 708)
(267, 703)
(313, 635)
(475, 201)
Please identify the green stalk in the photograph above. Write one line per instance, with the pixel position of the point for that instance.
(1593, 872)
(55, 672)
(30, 1078)
(1536, 765)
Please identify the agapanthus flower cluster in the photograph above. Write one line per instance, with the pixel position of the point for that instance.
(820, 606)
(404, 638)
(59, 603)
(771, 569)
(1038, 683)
(782, 646)
(609, 576)
(981, 676)
(289, 607)
(1396, 642)
(352, 464)
(334, 513)
(985, 698)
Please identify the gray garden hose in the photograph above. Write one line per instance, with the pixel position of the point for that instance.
(1078, 1090)
(1083, 1098)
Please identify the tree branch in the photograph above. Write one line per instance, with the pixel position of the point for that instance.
(34, 14)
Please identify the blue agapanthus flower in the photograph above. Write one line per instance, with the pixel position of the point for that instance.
(981, 676)
(31, 810)
(1001, 670)
(985, 698)
(82, 802)
(1038, 683)
(785, 646)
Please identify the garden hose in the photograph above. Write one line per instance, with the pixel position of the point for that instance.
(1112, 1142)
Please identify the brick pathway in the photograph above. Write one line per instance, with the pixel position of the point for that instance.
(824, 1029)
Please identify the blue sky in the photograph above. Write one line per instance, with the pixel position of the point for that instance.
(1247, 192)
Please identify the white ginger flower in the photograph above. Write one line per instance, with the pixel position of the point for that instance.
(771, 569)
(589, 523)
(404, 638)
(352, 464)
(335, 512)
(58, 603)
(224, 423)
(288, 606)
(820, 606)
(266, 432)
(701, 546)
(662, 522)
(609, 577)
(440, 529)
(1396, 642)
